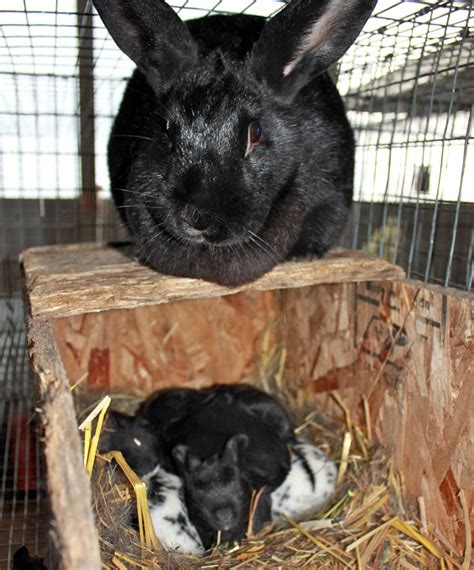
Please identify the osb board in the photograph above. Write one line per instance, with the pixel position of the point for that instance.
(76, 279)
(74, 535)
(196, 343)
(408, 349)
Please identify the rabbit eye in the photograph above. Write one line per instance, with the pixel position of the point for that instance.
(254, 135)
(255, 132)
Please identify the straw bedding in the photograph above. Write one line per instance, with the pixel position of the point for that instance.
(368, 523)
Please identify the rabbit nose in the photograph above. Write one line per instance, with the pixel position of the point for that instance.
(195, 220)
(225, 518)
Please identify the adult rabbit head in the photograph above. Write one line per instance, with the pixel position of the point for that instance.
(223, 164)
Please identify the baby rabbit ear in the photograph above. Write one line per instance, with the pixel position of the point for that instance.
(184, 458)
(234, 446)
(304, 39)
(152, 35)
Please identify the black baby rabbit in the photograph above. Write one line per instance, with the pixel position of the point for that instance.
(226, 442)
(134, 437)
(204, 420)
(217, 496)
(231, 150)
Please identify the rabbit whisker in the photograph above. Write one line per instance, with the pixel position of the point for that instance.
(268, 246)
(264, 246)
(130, 137)
(150, 193)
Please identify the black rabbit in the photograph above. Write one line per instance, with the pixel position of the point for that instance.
(134, 437)
(217, 496)
(225, 442)
(23, 561)
(231, 150)
(203, 420)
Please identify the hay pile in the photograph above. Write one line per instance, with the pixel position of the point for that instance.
(367, 523)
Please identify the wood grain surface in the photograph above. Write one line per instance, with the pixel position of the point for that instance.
(84, 278)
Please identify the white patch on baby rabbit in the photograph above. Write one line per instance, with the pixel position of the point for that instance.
(169, 514)
(309, 483)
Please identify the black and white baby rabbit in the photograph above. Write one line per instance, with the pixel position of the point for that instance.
(169, 513)
(137, 441)
(309, 483)
(231, 150)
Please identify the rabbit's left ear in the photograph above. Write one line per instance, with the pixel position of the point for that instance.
(235, 445)
(152, 35)
(304, 39)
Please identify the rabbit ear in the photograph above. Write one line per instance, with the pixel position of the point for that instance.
(180, 454)
(152, 35)
(234, 445)
(305, 38)
(117, 421)
(184, 458)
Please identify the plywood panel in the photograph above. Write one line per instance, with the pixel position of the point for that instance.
(408, 349)
(74, 535)
(77, 279)
(195, 342)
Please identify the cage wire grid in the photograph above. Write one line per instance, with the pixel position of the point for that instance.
(408, 84)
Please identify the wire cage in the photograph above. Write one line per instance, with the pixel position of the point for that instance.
(408, 83)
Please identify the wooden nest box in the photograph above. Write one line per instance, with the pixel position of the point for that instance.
(398, 351)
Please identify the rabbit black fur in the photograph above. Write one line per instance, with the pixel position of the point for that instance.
(23, 561)
(134, 437)
(205, 419)
(217, 494)
(231, 150)
(225, 442)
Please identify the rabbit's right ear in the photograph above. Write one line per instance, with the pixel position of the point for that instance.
(234, 446)
(185, 460)
(152, 35)
(304, 39)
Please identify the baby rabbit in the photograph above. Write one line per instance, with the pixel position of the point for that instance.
(162, 411)
(205, 419)
(225, 442)
(169, 513)
(218, 497)
(310, 482)
(132, 436)
(255, 402)
(231, 150)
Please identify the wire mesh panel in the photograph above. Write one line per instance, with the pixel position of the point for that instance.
(409, 88)
(408, 84)
(24, 512)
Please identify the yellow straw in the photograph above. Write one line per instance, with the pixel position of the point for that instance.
(91, 443)
(346, 447)
(87, 442)
(148, 538)
(408, 530)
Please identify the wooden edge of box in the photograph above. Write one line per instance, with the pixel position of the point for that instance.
(61, 281)
(74, 532)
